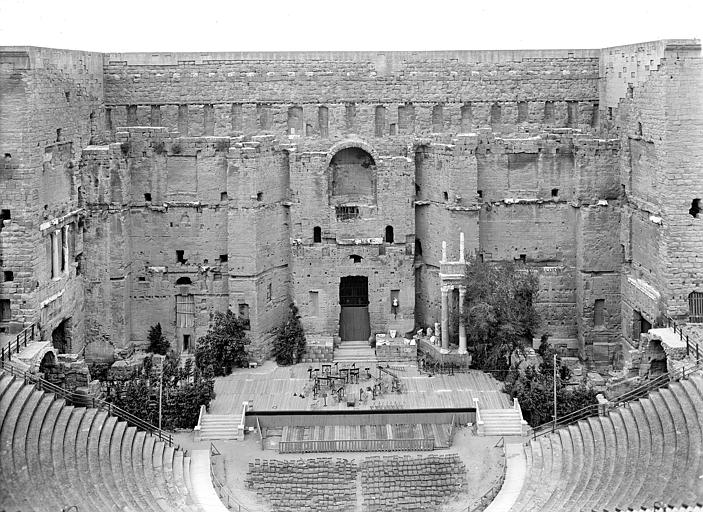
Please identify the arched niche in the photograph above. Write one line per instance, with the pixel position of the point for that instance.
(352, 174)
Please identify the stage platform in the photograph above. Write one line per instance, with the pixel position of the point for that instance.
(273, 388)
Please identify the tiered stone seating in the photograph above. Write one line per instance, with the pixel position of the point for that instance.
(646, 453)
(54, 455)
(309, 485)
(411, 483)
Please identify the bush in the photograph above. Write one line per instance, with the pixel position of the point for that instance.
(534, 389)
(289, 344)
(500, 316)
(184, 391)
(224, 346)
(158, 344)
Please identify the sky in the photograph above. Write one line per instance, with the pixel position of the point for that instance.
(277, 25)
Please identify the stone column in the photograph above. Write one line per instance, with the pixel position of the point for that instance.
(462, 327)
(445, 317)
(461, 248)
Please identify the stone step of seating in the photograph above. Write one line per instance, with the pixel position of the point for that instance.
(644, 452)
(54, 455)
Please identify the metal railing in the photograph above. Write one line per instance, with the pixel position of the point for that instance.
(226, 496)
(14, 346)
(488, 496)
(633, 394)
(98, 403)
(692, 348)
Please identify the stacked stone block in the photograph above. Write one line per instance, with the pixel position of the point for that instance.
(411, 483)
(309, 485)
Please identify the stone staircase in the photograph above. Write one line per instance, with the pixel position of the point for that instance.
(219, 426)
(354, 351)
(501, 422)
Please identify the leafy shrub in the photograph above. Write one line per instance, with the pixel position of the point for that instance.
(176, 148)
(184, 391)
(289, 344)
(224, 346)
(158, 344)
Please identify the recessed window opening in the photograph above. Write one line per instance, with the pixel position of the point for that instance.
(695, 307)
(183, 281)
(479, 193)
(347, 212)
(693, 211)
(223, 258)
(180, 256)
(356, 258)
(9, 275)
(555, 192)
(389, 234)
(58, 135)
(5, 310)
(259, 196)
(639, 129)
(141, 279)
(147, 197)
(269, 293)
(523, 258)
(223, 196)
(8, 156)
(446, 196)
(418, 248)
(317, 235)
(244, 315)
(598, 312)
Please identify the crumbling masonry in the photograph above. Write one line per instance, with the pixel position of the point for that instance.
(145, 188)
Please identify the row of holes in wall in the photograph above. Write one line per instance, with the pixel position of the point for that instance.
(297, 124)
(389, 237)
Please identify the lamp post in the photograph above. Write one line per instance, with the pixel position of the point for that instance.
(555, 390)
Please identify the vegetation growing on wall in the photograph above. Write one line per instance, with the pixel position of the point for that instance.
(224, 346)
(289, 344)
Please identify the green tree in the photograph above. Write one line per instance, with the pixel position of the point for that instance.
(224, 346)
(289, 344)
(499, 313)
(158, 344)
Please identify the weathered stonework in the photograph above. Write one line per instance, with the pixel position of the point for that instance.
(184, 184)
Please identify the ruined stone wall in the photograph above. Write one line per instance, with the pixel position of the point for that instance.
(659, 120)
(370, 94)
(51, 107)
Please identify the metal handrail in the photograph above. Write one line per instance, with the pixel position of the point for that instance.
(592, 410)
(223, 491)
(98, 403)
(25, 335)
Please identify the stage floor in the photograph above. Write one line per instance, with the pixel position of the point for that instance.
(274, 388)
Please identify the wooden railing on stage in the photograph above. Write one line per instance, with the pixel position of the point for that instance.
(356, 445)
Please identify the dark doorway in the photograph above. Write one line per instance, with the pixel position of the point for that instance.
(354, 315)
(60, 337)
(186, 342)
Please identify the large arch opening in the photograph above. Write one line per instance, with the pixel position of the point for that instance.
(353, 176)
